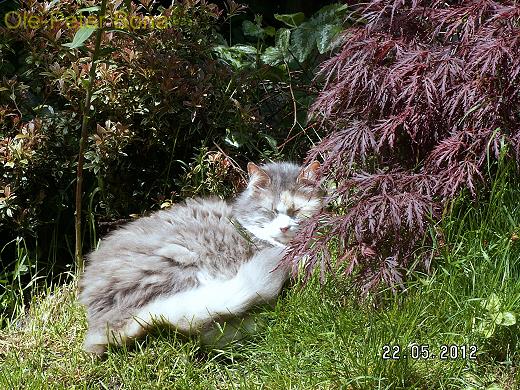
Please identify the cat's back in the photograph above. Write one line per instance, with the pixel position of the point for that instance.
(167, 251)
(189, 222)
(203, 227)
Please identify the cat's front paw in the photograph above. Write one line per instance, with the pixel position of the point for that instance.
(95, 343)
(95, 349)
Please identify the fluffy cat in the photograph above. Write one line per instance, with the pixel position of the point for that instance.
(199, 262)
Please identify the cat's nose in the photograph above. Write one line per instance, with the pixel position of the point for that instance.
(284, 229)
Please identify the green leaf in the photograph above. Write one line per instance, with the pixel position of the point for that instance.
(88, 9)
(235, 138)
(270, 31)
(237, 56)
(303, 41)
(81, 36)
(326, 37)
(282, 39)
(492, 304)
(85, 83)
(508, 319)
(253, 30)
(330, 14)
(487, 328)
(247, 50)
(497, 318)
(271, 141)
(272, 56)
(292, 20)
(494, 386)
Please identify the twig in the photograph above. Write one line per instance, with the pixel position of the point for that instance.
(295, 107)
(83, 139)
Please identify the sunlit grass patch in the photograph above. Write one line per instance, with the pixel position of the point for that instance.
(319, 336)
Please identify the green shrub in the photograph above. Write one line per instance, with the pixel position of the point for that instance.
(170, 120)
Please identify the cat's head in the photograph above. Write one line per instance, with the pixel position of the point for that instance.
(278, 197)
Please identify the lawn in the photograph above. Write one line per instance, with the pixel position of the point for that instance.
(320, 336)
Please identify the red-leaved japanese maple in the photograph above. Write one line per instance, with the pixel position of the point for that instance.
(416, 104)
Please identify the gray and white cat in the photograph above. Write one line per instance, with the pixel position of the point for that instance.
(199, 262)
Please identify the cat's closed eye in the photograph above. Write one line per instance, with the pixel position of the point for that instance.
(269, 211)
(293, 212)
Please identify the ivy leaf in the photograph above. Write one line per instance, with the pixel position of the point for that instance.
(326, 37)
(507, 319)
(319, 32)
(282, 39)
(237, 56)
(272, 56)
(487, 328)
(81, 36)
(253, 30)
(498, 318)
(292, 20)
(332, 13)
(235, 138)
(303, 41)
(271, 141)
(492, 304)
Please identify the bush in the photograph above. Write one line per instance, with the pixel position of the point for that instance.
(171, 119)
(419, 104)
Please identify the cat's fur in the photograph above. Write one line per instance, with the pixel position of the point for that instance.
(198, 262)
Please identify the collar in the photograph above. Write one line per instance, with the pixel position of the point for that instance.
(251, 237)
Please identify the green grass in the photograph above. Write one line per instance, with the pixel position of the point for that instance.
(315, 337)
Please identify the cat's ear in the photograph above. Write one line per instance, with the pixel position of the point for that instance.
(257, 177)
(309, 175)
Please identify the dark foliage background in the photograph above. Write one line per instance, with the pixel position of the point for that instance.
(419, 105)
(172, 118)
(412, 106)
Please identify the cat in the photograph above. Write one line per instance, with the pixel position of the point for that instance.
(199, 262)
